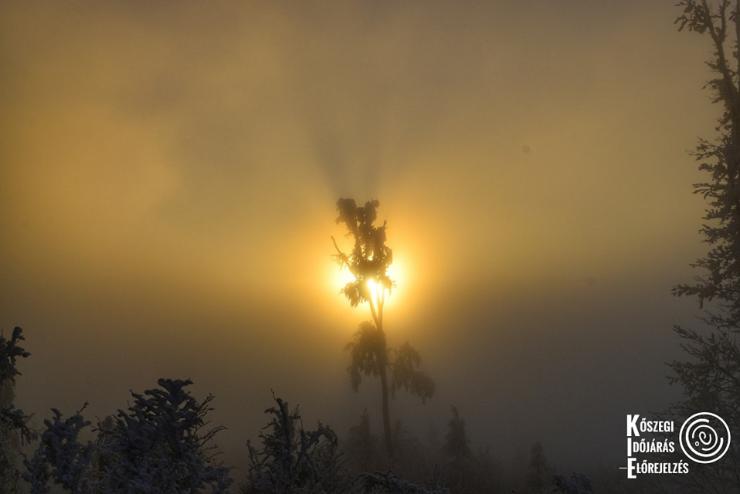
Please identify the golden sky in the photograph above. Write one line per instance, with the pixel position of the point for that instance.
(168, 173)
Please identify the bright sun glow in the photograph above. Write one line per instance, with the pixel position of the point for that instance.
(342, 276)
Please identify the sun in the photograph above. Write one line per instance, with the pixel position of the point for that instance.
(396, 272)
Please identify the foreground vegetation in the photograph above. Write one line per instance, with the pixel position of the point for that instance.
(163, 444)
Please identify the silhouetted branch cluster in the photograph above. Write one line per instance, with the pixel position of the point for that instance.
(62, 456)
(367, 353)
(720, 160)
(10, 351)
(291, 459)
(406, 374)
(13, 421)
(370, 354)
(710, 376)
(160, 444)
(163, 440)
(370, 257)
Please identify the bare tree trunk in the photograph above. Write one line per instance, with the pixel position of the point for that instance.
(386, 413)
(6, 394)
(383, 360)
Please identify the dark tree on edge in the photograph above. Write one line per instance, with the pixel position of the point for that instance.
(13, 421)
(710, 376)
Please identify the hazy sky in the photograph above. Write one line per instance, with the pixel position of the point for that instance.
(168, 173)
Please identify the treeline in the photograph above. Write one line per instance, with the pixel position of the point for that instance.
(163, 443)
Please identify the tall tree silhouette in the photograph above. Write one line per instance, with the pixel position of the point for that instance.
(711, 374)
(368, 261)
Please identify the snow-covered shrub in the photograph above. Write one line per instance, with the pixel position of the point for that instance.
(61, 456)
(292, 460)
(159, 445)
(575, 484)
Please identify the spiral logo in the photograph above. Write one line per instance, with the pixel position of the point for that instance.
(704, 437)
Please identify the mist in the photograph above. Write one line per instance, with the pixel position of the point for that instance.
(168, 178)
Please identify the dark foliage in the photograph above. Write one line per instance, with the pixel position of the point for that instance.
(13, 421)
(368, 261)
(575, 484)
(159, 445)
(457, 444)
(719, 279)
(710, 376)
(361, 445)
(406, 374)
(292, 460)
(370, 257)
(464, 471)
(456, 449)
(368, 353)
(62, 456)
(10, 351)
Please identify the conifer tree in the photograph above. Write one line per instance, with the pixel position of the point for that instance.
(710, 375)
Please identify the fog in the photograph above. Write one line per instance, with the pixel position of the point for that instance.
(168, 175)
